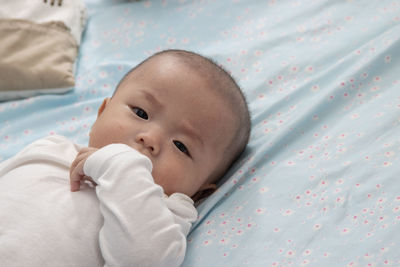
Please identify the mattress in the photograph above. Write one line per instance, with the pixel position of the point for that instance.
(319, 183)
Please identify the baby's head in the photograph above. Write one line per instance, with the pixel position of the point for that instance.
(182, 111)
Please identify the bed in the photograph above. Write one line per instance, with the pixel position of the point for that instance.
(319, 184)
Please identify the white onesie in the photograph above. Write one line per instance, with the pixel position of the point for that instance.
(126, 220)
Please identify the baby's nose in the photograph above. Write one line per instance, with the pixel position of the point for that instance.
(150, 143)
(146, 144)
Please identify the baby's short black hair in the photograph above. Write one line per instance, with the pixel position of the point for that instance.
(224, 83)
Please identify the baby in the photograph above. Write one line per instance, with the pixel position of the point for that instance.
(173, 127)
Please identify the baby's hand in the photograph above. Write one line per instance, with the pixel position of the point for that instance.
(76, 170)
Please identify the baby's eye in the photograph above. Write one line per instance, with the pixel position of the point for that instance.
(181, 147)
(140, 113)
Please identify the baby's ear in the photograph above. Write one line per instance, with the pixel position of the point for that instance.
(204, 192)
(103, 106)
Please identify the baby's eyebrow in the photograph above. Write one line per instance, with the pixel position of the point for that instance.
(189, 130)
(151, 98)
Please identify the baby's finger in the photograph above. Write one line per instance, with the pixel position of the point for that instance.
(82, 154)
(76, 169)
(77, 159)
(75, 182)
(73, 166)
(75, 186)
(76, 176)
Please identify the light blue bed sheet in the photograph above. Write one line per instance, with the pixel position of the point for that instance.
(319, 184)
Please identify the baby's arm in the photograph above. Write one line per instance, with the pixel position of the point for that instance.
(141, 226)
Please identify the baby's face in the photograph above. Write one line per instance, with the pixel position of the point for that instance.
(169, 113)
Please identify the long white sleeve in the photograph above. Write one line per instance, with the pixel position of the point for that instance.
(142, 226)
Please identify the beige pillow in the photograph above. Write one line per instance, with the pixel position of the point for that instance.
(35, 56)
(39, 43)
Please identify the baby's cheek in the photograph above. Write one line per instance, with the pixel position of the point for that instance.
(114, 133)
(170, 176)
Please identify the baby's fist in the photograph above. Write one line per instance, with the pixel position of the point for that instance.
(76, 170)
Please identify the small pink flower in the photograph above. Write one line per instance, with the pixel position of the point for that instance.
(260, 210)
(208, 223)
(387, 163)
(171, 40)
(345, 230)
(317, 226)
(288, 212)
(207, 242)
(290, 253)
(263, 190)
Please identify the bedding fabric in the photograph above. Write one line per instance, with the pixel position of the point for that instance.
(319, 183)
